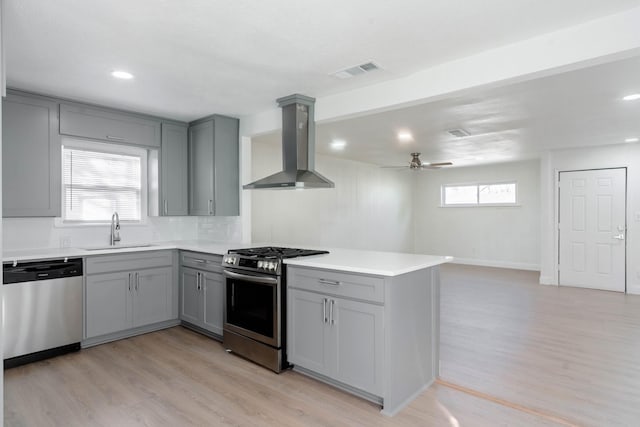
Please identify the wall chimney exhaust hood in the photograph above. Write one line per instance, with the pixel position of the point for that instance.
(298, 148)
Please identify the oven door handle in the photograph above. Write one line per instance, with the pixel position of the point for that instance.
(249, 278)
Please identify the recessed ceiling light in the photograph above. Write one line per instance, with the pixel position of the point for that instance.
(405, 136)
(632, 140)
(632, 97)
(119, 74)
(338, 144)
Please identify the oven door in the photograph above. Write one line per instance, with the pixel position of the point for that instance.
(252, 306)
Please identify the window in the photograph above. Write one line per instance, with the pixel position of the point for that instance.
(487, 194)
(100, 179)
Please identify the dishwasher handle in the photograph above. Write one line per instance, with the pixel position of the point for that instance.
(41, 270)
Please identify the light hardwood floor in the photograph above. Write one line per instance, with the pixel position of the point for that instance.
(573, 353)
(179, 378)
(515, 354)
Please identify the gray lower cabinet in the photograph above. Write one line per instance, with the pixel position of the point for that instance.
(108, 125)
(202, 291)
(338, 338)
(143, 293)
(375, 336)
(214, 180)
(174, 175)
(31, 161)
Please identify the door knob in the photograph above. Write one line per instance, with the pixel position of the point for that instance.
(619, 236)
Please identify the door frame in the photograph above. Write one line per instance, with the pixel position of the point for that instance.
(556, 229)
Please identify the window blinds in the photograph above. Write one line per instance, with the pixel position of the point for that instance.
(97, 184)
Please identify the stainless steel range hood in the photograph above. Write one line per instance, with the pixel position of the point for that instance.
(298, 148)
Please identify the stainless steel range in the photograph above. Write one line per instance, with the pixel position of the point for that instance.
(255, 308)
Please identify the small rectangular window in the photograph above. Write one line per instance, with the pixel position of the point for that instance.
(497, 193)
(100, 179)
(487, 194)
(461, 195)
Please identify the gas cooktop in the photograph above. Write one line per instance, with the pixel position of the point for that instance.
(273, 252)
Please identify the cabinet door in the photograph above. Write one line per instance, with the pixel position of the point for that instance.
(213, 286)
(307, 331)
(191, 303)
(108, 125)
(152, 296)
(226, 171)
(201, 169)
(357, 337)
(174, 198)
(31, 158)
(108, 303)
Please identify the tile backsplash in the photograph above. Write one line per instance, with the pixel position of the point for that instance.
(220, 229)
(32, 233)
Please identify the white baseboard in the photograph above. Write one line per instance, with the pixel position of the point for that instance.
(498, 264)
(633, 290)
(548, 280)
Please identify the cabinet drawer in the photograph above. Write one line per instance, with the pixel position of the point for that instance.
(201, 261)
(128, 262)
(357, 286)
(96, 123)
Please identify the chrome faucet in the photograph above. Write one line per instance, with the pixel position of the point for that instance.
(115, 229)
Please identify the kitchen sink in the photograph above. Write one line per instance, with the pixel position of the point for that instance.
(109, 247)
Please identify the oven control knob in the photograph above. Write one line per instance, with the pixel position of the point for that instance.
(272, 266)
(260, 264)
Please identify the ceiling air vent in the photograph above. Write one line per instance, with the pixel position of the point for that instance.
(356, 71)
(458, 133)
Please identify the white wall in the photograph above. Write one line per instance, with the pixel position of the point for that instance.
(370, 208)
(623, 155)
(495, 236)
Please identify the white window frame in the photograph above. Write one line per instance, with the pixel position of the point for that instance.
(443, 203)
(105, 147)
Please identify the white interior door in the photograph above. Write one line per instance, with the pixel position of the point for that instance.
(592, 227)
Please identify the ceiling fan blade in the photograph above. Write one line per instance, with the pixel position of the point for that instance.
(394, 167)
(441, 164)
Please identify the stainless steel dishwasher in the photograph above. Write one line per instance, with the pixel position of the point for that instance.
(42, 309)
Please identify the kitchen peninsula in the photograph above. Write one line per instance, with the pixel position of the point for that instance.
(366, 322)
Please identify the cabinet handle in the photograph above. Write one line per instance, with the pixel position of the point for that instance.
(166, 206)
(129, 282)
(199, 261)
(137, 282)
(329, 282)
(115, 138)
(324, 310)
(197, 280)
(210, 208)
(333, 320)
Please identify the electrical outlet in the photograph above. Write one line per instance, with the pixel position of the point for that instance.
(65, 242)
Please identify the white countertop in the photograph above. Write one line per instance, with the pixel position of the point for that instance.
(348, 260)
(217, 248)
(369, 262)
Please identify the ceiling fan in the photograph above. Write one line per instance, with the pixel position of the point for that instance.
(417, 164)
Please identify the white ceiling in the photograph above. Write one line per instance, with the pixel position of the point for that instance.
(197, 57)
(508, 123)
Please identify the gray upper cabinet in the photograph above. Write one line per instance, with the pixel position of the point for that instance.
(108, 125)
(214, 180)
(30, 157)
(174, 173)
